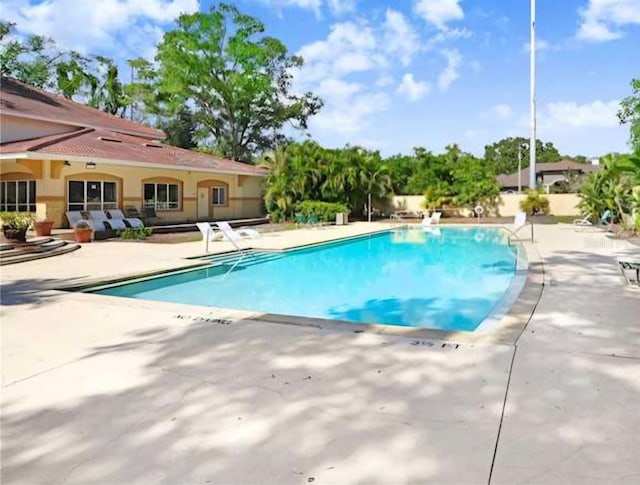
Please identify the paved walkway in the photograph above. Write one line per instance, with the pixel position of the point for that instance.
(102, 390)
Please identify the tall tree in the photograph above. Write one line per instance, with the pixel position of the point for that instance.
(39, 62)
(503, 155)
(107, 93)
(180, 129)
(30, 60)
(629, 113)
(237, 80)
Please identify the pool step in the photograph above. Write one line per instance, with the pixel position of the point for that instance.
(248, 258)
(36, 248)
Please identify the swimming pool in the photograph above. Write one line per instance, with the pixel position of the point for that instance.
(449, 279)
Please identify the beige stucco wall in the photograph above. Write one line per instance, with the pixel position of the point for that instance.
(560, 204)
(13, 128)
(244, 192)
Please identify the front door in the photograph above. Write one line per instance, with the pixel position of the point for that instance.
(203, 204)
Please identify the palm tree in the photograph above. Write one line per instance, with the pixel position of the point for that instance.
(375, 178)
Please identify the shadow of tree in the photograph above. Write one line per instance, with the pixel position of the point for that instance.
(257, 403)
(32, 291)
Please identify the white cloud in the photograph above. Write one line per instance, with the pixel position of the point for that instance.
(107, 29)
(341, 7)
(384, 81)
(597, 114)
(352, 49)
(541, 46)
(399, 36)
(336, 7)
(439, 12)
(349, 115)
(498, 112)
(450, 73)
(602, 20)
(412, 89)
(349, 48)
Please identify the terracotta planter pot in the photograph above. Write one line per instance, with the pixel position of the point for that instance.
(43, 228)
(12, 234)
(83, 235)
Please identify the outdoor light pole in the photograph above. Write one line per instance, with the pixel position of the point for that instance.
(532, 139)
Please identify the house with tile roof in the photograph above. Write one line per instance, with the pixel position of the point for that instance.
(57, 155)
(547, 174)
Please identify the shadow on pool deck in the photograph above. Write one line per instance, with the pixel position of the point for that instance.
(251, 403)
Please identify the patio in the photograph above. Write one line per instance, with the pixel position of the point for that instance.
(104, 390)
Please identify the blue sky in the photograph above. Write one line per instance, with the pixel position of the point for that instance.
(405, 73)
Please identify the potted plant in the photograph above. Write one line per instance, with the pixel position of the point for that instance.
(43, 227)
(15, 225)
(82, 232)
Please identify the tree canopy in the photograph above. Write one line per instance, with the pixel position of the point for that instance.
(629, 113)
(235, 80)
(503, 154)
(37, 60)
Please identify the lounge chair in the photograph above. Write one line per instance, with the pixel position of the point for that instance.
(149, 216)
(627, 267)
(604, 221)
(519, 221)
(113, 224)
(208, 234)
(236, 234)
(583, 222)
(300, 219)
(116, 214)
(76, 216)
(433, 219)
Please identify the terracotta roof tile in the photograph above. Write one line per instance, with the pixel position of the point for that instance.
(110, 145)
(19, 99)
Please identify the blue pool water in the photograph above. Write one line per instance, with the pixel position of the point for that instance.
(452, 280)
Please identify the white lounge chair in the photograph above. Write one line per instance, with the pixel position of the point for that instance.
(113, 224)
(431, 220)
(236, 234)
(208, 234)
(520, 221)
(583, 222)
(76, 216)
(117, 214)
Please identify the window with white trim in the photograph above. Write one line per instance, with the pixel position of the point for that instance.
(161, 197)
(18, 195)
(88, 195)
(219, 195)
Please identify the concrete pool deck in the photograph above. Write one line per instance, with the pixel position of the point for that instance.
(110, 391)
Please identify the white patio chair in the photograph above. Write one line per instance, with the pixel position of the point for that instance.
(431, 220)
(236, 234)
(519, 221)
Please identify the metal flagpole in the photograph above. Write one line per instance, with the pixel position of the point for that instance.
(532, 140)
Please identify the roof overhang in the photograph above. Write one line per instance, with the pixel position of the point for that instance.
(18, 114)
(126, 163)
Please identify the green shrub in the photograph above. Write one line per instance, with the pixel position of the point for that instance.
(534, 203)
(135, 233)
(17, 220)
(324, 211)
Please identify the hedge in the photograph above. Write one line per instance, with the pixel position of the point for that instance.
(324, 211)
